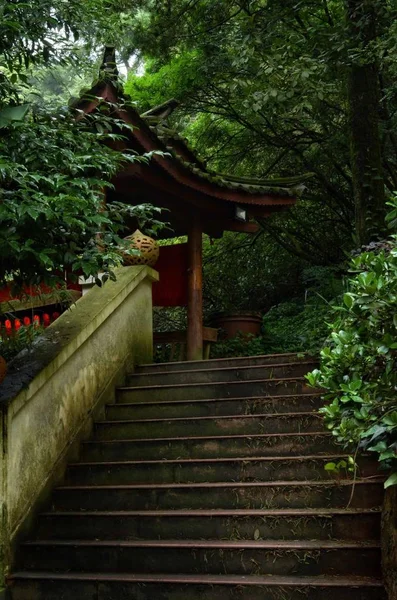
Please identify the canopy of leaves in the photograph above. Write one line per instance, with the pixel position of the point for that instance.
(263, 91)
(55, 164)
(51, 198)
(247, 273)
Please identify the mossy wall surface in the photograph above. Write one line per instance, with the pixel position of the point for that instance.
(3, 506)
(53, 392)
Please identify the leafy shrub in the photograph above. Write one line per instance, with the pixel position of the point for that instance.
(296, 326)
(358, 365)
(247, 273)
(293, 326)
(238, 346)
(53, 171)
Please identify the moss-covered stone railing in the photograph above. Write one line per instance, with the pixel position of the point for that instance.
(55, 390)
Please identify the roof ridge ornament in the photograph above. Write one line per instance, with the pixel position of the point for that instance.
(108, 67)
(162, 111)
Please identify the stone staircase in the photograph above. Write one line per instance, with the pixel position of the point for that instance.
(206, 481)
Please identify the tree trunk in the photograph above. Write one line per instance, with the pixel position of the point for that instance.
(195, 291)
(364, 108)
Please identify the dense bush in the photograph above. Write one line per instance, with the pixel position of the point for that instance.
(358, 364)
(51, 196)
(296, 326)
(248, 273)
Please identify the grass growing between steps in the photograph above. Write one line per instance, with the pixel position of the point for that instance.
(293, 524)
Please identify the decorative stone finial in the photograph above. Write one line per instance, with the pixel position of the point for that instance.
(148, 250)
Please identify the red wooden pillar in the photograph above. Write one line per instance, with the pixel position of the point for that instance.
(195, 292)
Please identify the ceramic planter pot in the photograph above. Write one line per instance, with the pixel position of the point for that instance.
(243, 323)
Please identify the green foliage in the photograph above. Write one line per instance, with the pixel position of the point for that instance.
(55, 164)
(296, 326)
(293, 326)
(172, 80)
(263, 92)
(238, 346)
(51, 198)
(249, 273)
(53, 85)
(301, 324)
(45, 32)
(13, 114)
(358, 365)
(341, 467)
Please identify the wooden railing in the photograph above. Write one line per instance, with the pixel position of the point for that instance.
(178, 342)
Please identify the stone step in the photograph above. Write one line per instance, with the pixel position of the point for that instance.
(122, 586)
(206, 426)
(232, 446)
(292, 468)
(343, 524)
(361, 493)
(225, 374)
(243, 361)
(261, 557)
(200, 391)
(214, 407)
(207, 482)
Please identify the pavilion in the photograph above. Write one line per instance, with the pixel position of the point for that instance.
(199, 200)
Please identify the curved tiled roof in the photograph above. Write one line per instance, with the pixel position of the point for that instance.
(285, 187)
(174, 159)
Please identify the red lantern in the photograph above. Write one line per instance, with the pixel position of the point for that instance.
(17, 324)
(36, 321)
(55, 316)
(46, 320)
(26, 321)
(8, 326)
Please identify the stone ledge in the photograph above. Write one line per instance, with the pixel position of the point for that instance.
(57, 390)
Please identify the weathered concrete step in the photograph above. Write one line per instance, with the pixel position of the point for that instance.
(197, 391)
(276, 444)
(205, 426)
(226, 374)
(292, 468)
(243, 361)
(262, 557)
(342, 524)
(230, 495)
(108, 586)
(215, 407)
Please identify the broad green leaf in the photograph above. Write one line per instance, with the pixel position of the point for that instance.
(331, 466)
(348, 300)
(13, 113)
(392, 480)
